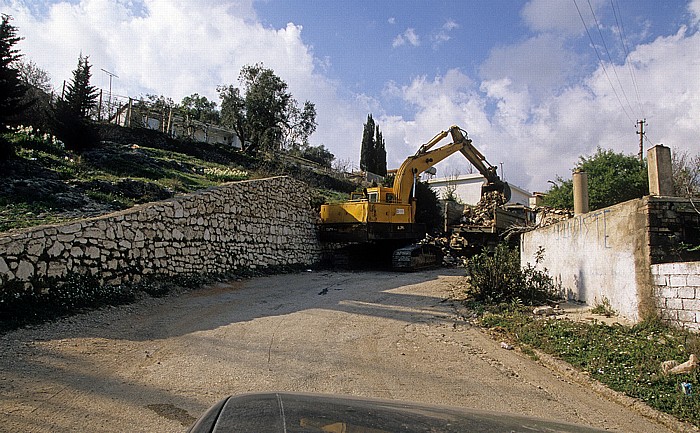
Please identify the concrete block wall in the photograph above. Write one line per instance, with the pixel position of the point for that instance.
(242, 225)
(677, 291)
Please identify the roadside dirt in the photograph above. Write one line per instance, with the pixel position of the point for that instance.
(158, 364)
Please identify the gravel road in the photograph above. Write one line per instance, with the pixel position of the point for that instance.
(157, 364)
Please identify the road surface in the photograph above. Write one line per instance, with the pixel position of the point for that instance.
(157, 364)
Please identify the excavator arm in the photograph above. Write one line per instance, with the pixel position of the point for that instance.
(407, 174)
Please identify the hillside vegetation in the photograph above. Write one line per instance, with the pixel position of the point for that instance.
(46, 183)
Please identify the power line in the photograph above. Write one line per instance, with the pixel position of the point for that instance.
(612, 64)
(602, 64)
(621, 33)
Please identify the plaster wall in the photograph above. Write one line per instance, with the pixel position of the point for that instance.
(597, 256)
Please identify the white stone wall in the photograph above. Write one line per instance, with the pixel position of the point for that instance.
(242, 225)
(677, 291)
(596, 256)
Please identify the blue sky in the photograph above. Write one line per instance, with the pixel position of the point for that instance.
(522, 77)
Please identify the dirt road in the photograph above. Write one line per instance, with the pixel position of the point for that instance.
(158, 364)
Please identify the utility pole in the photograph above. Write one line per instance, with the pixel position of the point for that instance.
(641, 124)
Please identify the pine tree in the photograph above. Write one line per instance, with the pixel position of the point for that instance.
(12, 89)
(380, 153)
(73, 125)
(80, 96)
(367, 151)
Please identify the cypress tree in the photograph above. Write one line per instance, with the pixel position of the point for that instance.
(380, 152)
(367, 151)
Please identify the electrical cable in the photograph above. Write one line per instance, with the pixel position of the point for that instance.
(602, 64)
(621, 33)
(612, 64)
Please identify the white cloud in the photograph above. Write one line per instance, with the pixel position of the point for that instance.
(540, 138)
(178, 47)
(540, 64)
(558, 16)
(409, 36)
(694, 8)
(391, 20)
(443, 35)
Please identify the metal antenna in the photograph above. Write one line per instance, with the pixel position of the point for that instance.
(109, 104)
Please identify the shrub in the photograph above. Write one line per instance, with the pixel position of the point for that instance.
(497, 277)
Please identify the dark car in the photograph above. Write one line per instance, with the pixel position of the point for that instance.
(291, 413)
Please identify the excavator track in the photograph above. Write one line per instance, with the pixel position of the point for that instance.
(415, 257)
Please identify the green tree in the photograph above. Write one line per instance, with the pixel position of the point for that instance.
(80, 97)
(379, 153)
(427, 207)
(317, 154)
(199, 108)
(73, 125)
(367, 151)
(612, 178)
(12, 90)
(263, 113)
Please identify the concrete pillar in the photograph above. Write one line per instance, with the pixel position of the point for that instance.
(660, 171)
(580, 179)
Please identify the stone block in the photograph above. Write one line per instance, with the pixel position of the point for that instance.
(674, 304)
(687, 316)
(56, 269)
(686, 292)
(14, 248)
(55, 250)
(25, 270)
(691, 305)
(693, 280)
(678, 280)
(70, 228)
(4, 268)
(68, 238)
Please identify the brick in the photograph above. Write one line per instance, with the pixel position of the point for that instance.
(686, 292)
(674, 304)
(687, 316)
(678, 280)
(693, 280)
(691, 305)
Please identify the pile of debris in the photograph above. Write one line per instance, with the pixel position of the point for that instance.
(484, 212)
(546, 216)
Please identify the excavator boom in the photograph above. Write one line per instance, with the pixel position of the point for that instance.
(387, 215)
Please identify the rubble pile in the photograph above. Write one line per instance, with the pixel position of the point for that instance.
(546, 216)
(484, 212)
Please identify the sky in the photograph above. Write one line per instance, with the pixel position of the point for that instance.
(536, 84)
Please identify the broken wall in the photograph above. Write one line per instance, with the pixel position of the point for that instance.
(595, 256)
(621, 254)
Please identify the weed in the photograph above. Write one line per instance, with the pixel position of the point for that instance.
(497, 277)
(604, 308)
(626, 359)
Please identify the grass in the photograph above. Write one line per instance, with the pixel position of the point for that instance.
(626, 359)
(99, 175)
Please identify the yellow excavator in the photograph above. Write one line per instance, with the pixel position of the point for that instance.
(385, 217)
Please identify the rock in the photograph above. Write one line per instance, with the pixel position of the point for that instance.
(544, 311)
(687, 367)
(506, 346)
(666, 366)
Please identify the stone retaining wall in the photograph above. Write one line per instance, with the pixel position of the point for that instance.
(677, 290)
(242, 225)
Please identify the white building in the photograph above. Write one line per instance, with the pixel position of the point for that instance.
(467, 189)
